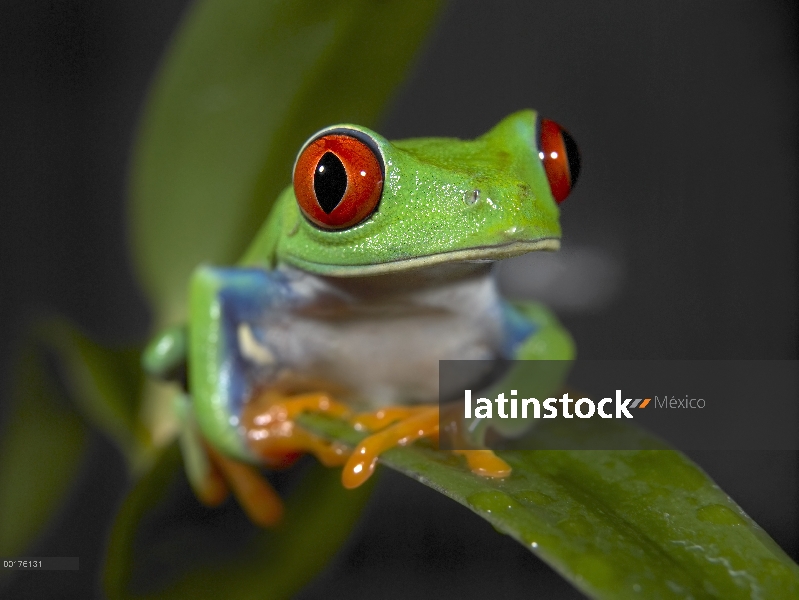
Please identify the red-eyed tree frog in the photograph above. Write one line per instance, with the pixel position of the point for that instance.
(373, 266)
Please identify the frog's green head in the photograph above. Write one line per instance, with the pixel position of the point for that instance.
(362, 205)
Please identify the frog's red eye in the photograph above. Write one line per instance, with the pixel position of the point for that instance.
(561, 158)
(338, 179)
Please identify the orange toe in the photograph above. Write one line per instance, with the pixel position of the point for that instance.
(261, 503)
(485, 463)
(423, 422)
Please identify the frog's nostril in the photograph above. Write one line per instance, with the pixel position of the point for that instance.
(472, 197)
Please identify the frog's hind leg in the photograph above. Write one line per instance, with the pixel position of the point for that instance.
(206, 480)
(212, 475)
(258, 499)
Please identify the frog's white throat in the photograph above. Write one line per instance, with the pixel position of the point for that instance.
(381, 337)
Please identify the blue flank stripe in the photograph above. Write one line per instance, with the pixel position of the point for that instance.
(517, 329)
(246, 295)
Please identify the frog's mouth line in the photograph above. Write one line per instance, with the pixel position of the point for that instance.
(489, 253)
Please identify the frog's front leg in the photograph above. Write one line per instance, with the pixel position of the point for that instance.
(532, 332)
(536, 334)
(399, 426)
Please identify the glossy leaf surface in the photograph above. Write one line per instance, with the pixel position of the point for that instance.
(617, 524)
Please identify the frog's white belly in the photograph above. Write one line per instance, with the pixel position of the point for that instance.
(382, 349)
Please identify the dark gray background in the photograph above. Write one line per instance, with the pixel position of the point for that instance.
(679, 241)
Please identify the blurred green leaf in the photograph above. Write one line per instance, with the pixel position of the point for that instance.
(616, 524)
(105, 384)
(41, 449)
(62, 382)
(245, 83)
(273, 563)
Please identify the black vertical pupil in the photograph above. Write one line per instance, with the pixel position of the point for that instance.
(573, 156)
(329, 182)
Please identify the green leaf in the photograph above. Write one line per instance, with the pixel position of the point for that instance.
(62, 383)
(615, 523)
(244, 84)
(164, 545)
(106, 385)
(41, 449)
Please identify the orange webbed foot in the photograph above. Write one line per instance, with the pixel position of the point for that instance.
(399, 426)
(273, 435)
